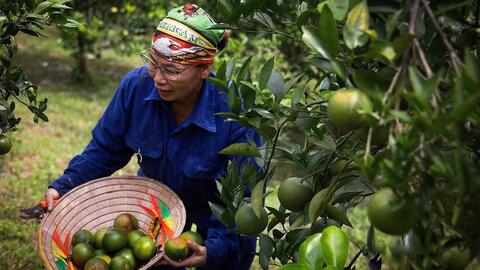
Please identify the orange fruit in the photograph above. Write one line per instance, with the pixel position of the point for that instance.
(5, 144)
(81, 253)
(96, 264)
(192, 236)
(120, 263)
(128, 254)
(345, 106)
(294, 195)
(133, 236)
(176, 249)
(106, 258)
(247, 222)
(114, 240)
(83, 236)
(126, 222)
(144, 248)
(99, 234)
(391, 214)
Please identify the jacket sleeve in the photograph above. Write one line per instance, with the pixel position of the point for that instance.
(224, 246)
(107, 150)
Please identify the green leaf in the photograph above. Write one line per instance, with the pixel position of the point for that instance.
(392, 23)
(240, 149)
(222, 214)
(318, 204)
(266, 244)
(324, 38)
(60, 6)
(266, 73)
(329, 34)
(334, 246)
(276, 84)
(337, 214)
(345, 197)
(340, 69)
(264, 19)
(382, 50)
(356, 26)
(443, 6)
(244, 72)
(221, 72)
(294, 266)
(290, 83)
(309, 252)
(328, 144)
(222, 84)
(423, 88)
(472, 67)
(257, 198)
(339, 8)
(370, 81)
(331, 268)
(322, 63)
(230, 68)
(43, 6)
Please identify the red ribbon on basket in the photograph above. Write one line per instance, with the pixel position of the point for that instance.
(61, 251)
(162, 222)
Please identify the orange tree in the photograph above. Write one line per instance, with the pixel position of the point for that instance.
(385, 95)
(28, 17)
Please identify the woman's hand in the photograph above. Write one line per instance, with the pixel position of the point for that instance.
(197, 259)
(51, 195)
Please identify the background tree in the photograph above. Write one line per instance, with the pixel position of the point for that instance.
(29, 17)
(385, 95)
(123, 25)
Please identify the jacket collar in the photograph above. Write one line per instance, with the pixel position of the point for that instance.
(203, 115)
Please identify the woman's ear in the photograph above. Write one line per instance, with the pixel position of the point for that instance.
(206, 69)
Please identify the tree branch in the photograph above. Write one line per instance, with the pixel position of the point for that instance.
(423, 58)
(406, 55)
(457, 63)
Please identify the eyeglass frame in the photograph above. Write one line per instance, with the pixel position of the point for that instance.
(145, 55)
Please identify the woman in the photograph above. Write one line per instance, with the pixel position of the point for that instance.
(165, 112)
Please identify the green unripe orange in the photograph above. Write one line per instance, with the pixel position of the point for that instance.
(248, 223)
(294, 195)
(344, 109)
(391, 214)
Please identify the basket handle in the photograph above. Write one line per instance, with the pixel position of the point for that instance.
(154, 260)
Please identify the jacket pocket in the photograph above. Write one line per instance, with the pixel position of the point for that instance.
(148, 152)
(201, 168)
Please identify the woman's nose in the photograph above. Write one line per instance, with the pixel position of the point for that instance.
(159, 77)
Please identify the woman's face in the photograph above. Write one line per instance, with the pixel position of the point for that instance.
(176, 82)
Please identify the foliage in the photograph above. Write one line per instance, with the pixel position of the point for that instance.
(418, 62)
(29, 17)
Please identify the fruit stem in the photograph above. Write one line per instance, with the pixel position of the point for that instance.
(368, 146)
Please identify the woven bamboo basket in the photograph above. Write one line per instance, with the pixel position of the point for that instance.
(97, 203)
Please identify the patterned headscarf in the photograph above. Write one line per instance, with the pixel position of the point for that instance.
(185, 36)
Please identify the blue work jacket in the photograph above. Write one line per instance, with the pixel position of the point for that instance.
(183, 156)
